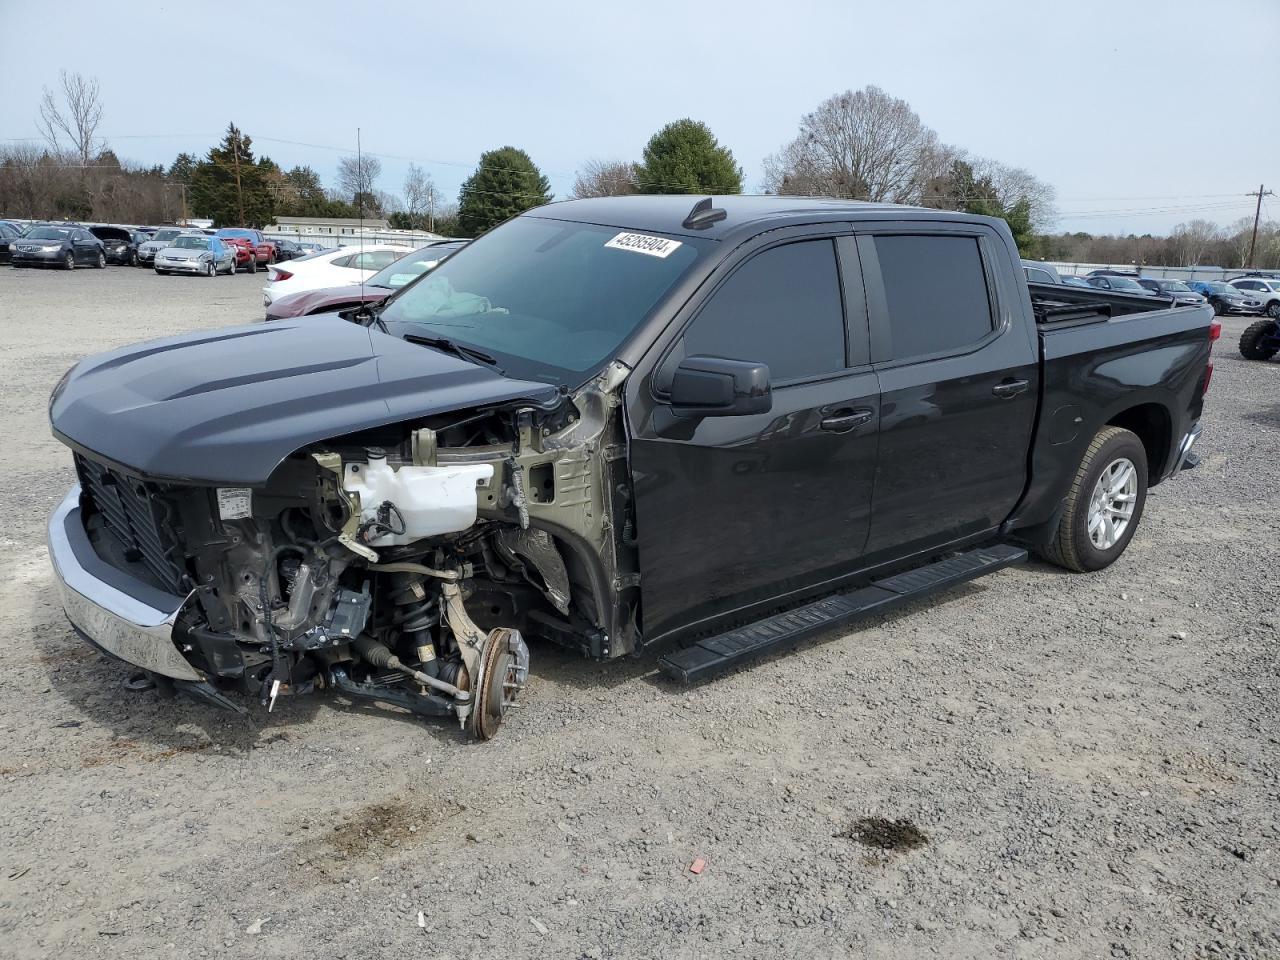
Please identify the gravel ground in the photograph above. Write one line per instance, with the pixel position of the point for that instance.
(1088, 764)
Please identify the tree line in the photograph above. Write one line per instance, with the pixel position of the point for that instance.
(858, 145)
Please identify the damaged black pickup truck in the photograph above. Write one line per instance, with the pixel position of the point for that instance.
(614, 424)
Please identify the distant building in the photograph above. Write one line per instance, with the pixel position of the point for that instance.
(332, 228)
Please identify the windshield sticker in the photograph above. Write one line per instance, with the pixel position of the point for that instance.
(643, 243)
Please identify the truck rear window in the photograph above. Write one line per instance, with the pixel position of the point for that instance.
(936, 293)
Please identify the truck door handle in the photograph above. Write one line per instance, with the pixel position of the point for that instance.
(1009, 388)
(845, 419)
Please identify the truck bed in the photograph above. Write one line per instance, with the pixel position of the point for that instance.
(1104, 354)
(1058, 304)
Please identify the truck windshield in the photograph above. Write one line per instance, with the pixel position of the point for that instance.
(549, 298)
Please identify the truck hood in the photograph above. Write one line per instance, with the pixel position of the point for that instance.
(226, 407)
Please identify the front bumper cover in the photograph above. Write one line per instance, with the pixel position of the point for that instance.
(181, 266)
(128, 619)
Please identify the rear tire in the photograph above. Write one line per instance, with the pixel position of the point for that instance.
(1251, 347)
(69, 261)
(102, 261)
(253, 264)
(231, 270)
(1074, 546)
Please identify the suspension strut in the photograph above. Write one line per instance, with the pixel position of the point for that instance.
(417, 613)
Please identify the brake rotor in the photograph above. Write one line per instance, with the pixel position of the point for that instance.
(504, 667)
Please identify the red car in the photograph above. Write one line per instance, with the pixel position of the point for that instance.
(264, 249)
(376, 289)
(246, 255)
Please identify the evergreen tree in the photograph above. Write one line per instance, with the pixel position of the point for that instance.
(229, 186)
(684, 157)
(505, 183)
(961, 189)
(180, 169)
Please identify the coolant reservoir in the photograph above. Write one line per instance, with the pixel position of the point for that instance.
(427, 500)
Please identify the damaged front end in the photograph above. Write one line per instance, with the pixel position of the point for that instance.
(404, 564)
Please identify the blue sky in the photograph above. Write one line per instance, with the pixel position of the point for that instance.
(1141, 114)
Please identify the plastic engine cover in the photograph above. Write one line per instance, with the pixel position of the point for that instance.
(429, 500)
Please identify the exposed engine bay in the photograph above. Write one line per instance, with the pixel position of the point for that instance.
(405, 564)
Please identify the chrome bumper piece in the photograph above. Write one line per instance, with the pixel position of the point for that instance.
(134, 630)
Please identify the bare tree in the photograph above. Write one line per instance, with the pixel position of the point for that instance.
(359, 175)
(865, 145)
(420, 196)
(605, 178)
(77, 120)
(1013, 184)
(1192, 240)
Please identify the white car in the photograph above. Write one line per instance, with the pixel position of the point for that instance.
(330, 268)
(1264, 288)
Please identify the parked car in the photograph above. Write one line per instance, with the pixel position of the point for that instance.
(617, 424)
(193, 253)
(374, 290)
(341, 266)
(121, 243)
(1226, 299)
(246, 255)
(1176, 289)
(265, 249)
(288, 250)
(309, 247)
(1117, 284)
(1037, 271)
(162, 238)
(1074, 281)
(66, 247)
(1263, 288)
(8, 233)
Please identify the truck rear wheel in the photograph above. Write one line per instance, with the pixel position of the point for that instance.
(1104, 504)
(1251, 345)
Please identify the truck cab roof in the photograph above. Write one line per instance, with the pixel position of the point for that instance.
(744, 215)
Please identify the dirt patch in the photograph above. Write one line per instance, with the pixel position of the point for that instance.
(398, 822)
(891, 836)
(123, 750)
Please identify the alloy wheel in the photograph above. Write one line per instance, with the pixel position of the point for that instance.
(1111, 503)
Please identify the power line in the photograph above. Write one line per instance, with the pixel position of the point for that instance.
(634, 181)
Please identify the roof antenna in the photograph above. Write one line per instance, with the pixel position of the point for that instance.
(703, 215)
(360, 211)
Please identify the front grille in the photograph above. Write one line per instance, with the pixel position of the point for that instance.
(138, 519)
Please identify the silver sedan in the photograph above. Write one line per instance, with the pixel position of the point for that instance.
(196, 254)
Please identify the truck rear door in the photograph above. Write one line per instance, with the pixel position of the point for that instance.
(735, 511)
(953, 346)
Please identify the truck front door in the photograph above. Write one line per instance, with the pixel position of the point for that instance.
(737, 511)
(956, 354)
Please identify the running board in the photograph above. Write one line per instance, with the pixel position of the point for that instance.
(713, 655)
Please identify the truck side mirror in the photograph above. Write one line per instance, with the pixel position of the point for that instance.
(715, 387)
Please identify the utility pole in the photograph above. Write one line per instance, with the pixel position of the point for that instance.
(235, 153)
(1257, 213)
(431, 208)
